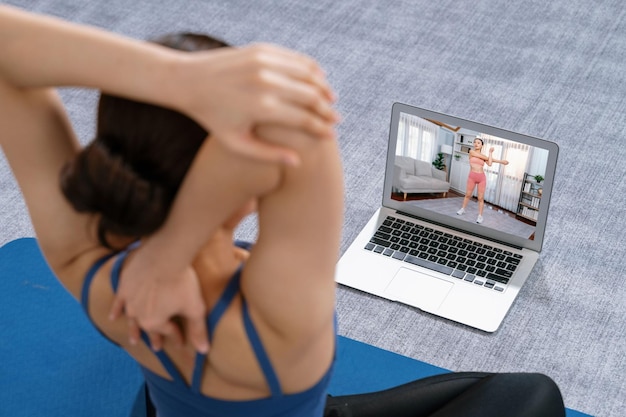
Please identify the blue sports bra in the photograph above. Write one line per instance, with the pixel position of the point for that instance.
(175, 398)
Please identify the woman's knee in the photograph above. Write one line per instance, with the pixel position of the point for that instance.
(539, 392)
(546, 386)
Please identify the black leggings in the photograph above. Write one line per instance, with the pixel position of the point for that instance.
(463, 394)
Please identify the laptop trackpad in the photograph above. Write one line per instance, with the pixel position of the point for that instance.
(417, 289)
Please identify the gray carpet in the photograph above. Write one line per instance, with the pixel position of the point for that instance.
(552, 69)
(492, 217)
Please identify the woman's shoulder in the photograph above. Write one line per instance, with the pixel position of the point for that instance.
(75, 266)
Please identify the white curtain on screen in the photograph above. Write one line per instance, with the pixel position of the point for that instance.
(416, 138)
(504, 182)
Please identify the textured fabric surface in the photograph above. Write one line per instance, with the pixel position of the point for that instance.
(549, 69)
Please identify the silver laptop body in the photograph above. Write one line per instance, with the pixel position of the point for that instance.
(416, 249)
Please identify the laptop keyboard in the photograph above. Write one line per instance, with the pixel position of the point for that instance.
(463, 259)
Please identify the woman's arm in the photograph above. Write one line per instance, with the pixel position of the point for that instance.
(38, 140)
(497, 161)
(477, 154)
(300, 224)
(488, 159)
(228, 91)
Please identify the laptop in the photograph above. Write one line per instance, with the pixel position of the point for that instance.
(426, 246)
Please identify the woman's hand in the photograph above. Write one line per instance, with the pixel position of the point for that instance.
(227, 90)
(152, 297)
(231, 90)
(151, 301)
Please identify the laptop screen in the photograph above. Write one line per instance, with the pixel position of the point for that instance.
(476, 178)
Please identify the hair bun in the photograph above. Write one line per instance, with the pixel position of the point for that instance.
(131, 172)
(98, 181)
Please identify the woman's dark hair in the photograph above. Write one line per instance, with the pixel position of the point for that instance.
(131, 172)
(481, 141)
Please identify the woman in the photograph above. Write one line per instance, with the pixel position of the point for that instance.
(271, 317)
(477, 178)
(272, 347)
(227, 90)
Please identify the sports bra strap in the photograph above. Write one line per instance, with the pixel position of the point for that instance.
(84, 293)
(117, 266)
(259, 351)
(229, 293)
(198, 367)
(165, 360)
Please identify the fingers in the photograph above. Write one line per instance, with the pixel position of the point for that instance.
(296, 79)
(245, 144)
(197, 335)
(169, 330)
(303, 95)
(285, 102)
(117, 308)
(134, 332)
(156, 336)
(296, 64)
(301, 118)
(288, 63)
(156, 341)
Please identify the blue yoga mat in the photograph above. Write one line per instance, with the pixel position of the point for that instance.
(54, 363)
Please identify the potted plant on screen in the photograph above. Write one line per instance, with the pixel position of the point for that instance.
(439, 163)
(537, 186)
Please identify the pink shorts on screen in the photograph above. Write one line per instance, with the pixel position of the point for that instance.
(477, 178)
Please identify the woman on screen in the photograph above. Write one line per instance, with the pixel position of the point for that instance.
(477, 178)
